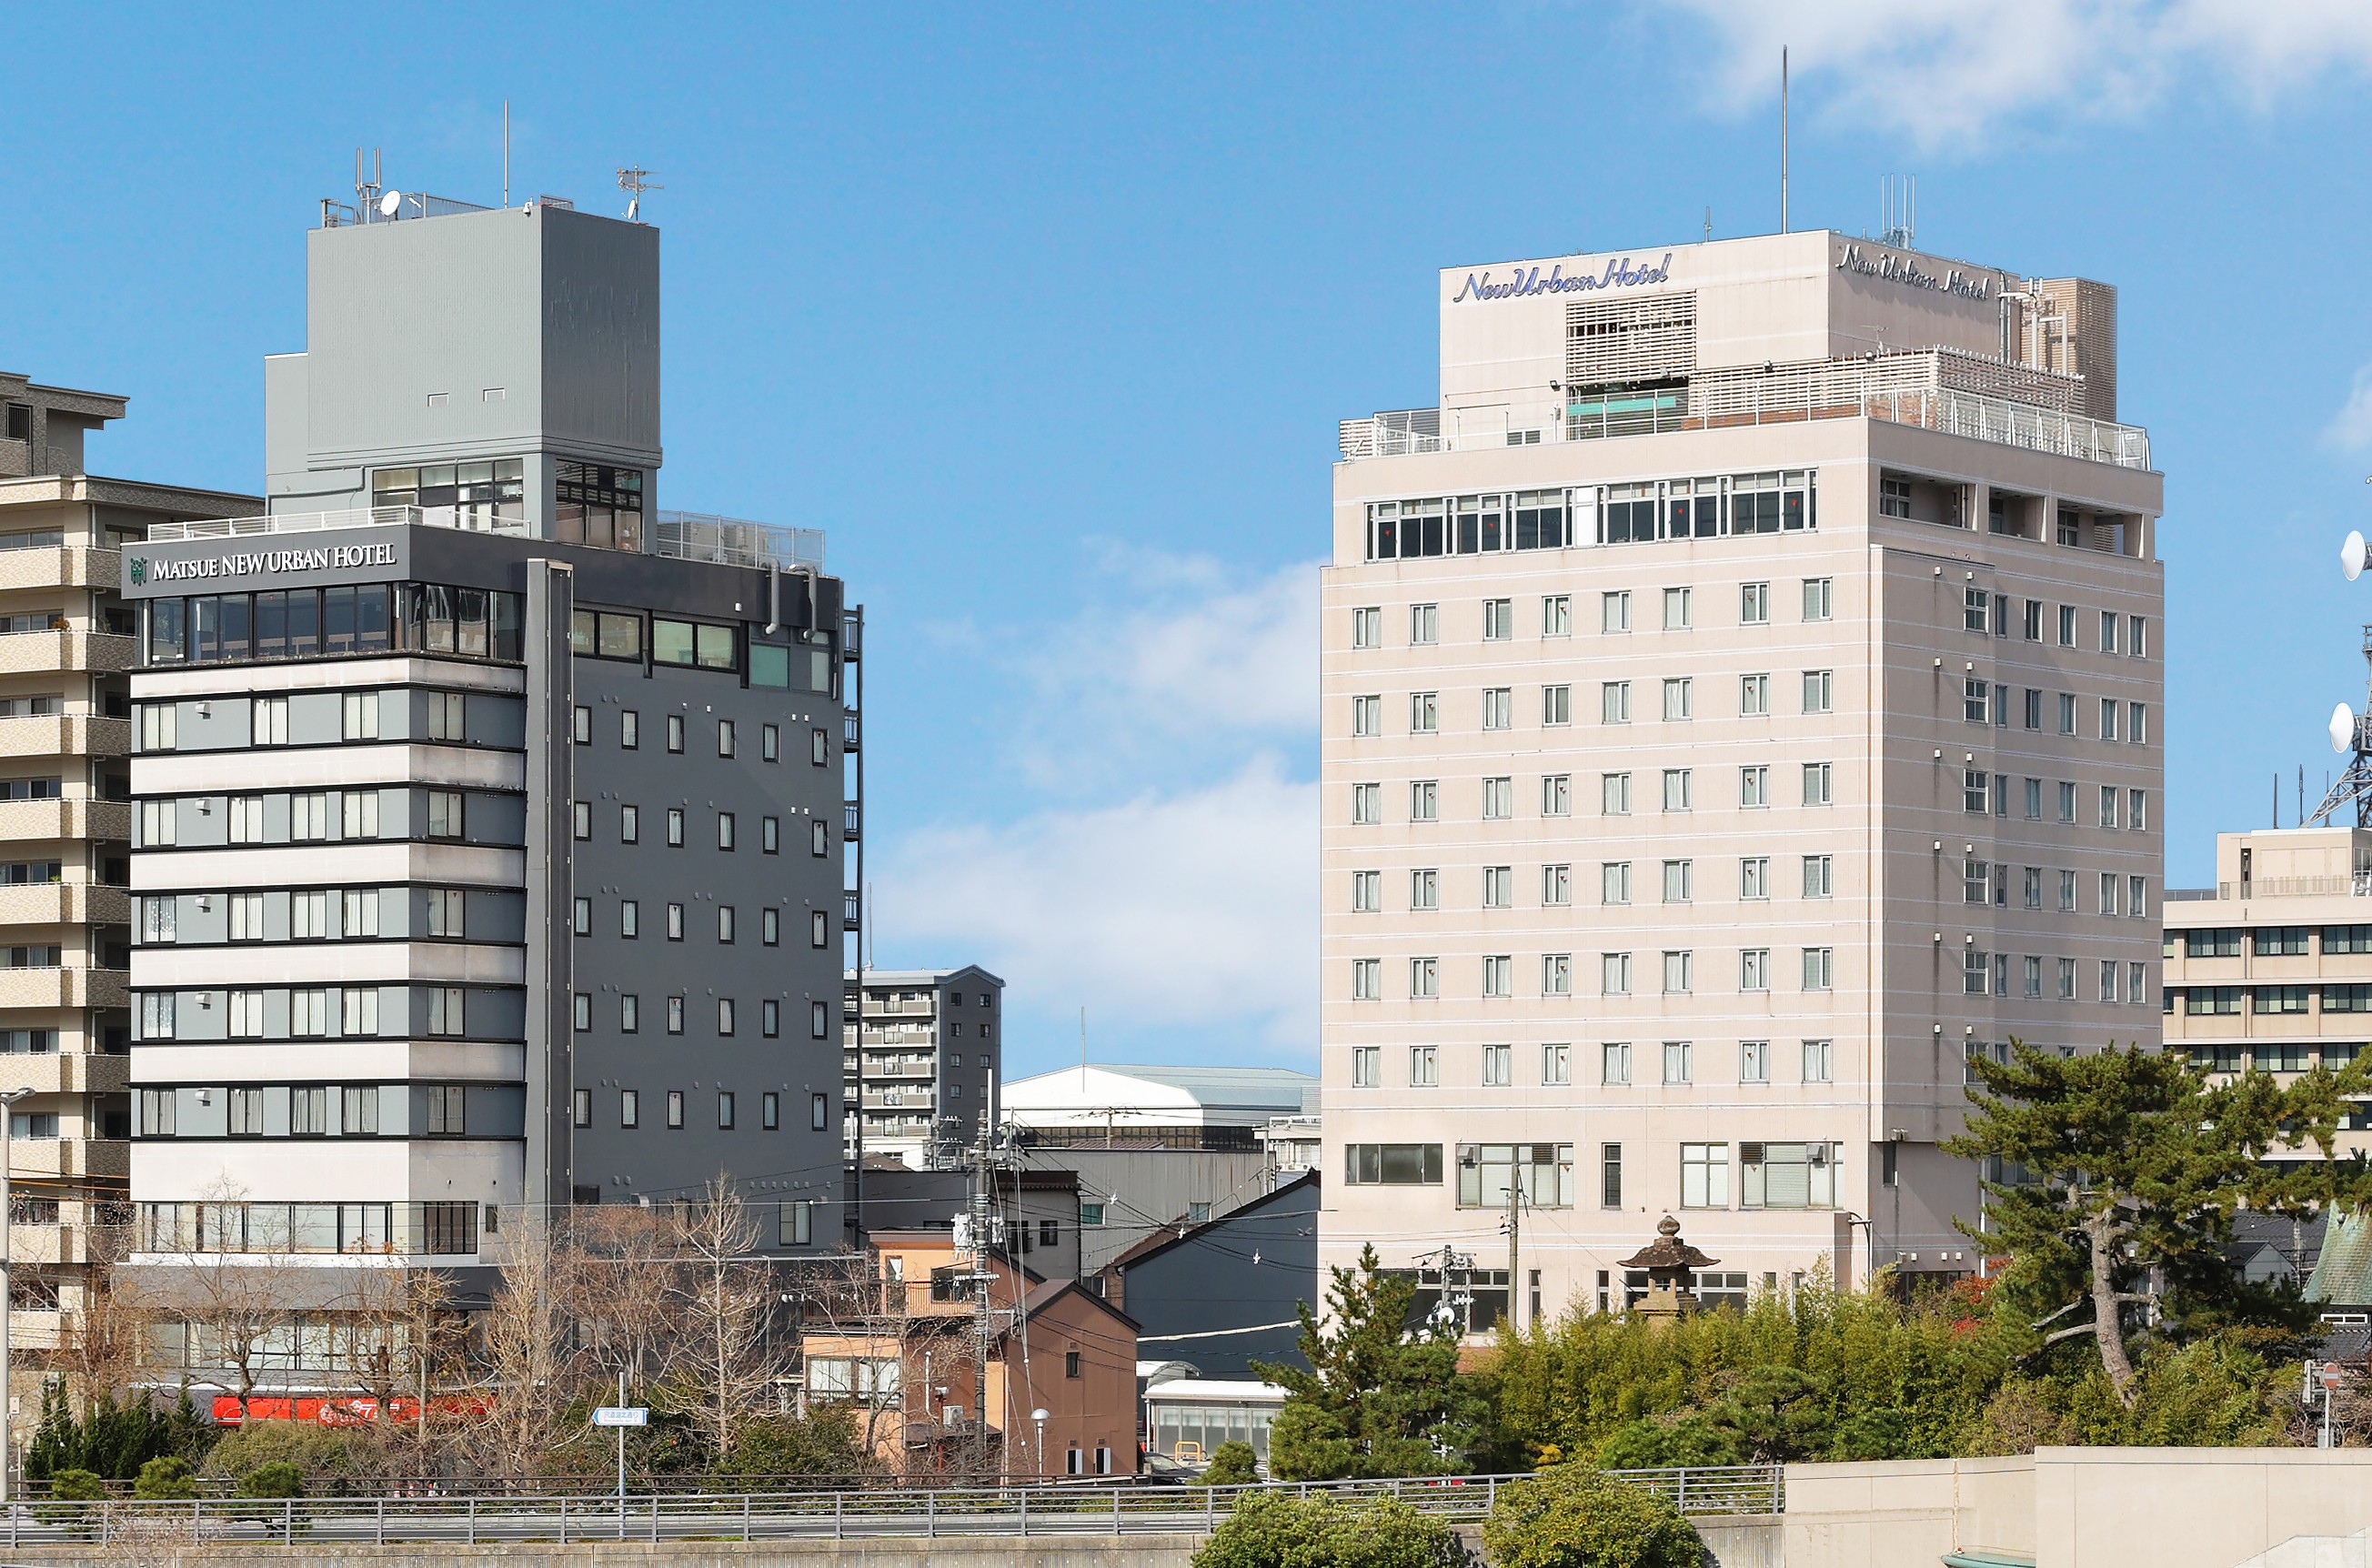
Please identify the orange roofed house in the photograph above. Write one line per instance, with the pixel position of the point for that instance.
(905, 1352)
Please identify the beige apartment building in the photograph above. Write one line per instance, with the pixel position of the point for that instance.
(1742, 705)
(2272, 968)
(919, 1059)
(65, 734)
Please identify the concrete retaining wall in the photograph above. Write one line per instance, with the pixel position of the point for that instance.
(944, 1551)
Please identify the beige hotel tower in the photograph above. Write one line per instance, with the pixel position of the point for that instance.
(1743, 703)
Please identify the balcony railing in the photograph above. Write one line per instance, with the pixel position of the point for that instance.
(2358, 885)
(1902, 389)
(325, 522)
(736, 541)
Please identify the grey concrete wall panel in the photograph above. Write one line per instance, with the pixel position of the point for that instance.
(490, 819)
(200, 821)
(275, 818)
(200, 918)
(550, 590)
(276, 915)
(601, 338)
(493, 915)
(494, 1110)
(316, 718)
(275, 1111)
(286, 423)
(201, 1114)
(394, 1110)
(494, 721)
(395, 920)
(216, 724)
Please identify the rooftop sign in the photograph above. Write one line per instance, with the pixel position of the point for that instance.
(1906, 270)
(225, 565)
(1524, 282)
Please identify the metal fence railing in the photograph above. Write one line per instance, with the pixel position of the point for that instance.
(1051, 1509)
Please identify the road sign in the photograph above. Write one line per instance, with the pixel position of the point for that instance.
(2329, 1376)
(621, 1415)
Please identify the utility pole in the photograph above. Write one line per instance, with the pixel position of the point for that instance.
(983, 1274)
(1515, 1245)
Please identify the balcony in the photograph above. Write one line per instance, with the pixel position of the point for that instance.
(55, 1073)
(70, 1156)
(1941, 390)
(65, 988)
(64, 903)
(27, 821)
(54, 652)
(64, 735)
(66, 566)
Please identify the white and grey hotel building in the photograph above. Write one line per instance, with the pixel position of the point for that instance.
(489, 821)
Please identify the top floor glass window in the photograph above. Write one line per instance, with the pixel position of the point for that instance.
(370, 618)
(482, 496)
(595, 503)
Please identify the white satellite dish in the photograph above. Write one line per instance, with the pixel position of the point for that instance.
(2343, 728)
(2351, 556)
(393, 204)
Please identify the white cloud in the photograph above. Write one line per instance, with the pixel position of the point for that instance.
(1167, 875)
(2350, 429)
(1190, 907)
(1943, 73)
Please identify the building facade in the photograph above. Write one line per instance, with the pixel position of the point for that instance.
(490, 819)
(2271, 968)
(919, 1061)
(1741, 705)
(65, 814)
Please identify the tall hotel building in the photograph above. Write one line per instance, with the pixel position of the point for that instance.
(1742, 705)
(490, 819)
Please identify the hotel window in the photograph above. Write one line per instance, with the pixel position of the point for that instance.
(1498, 799)
(2066, 619)
(1366, 717)
(1366, 980)
(1894, 498)
(2034, 800)
(1704, 1176)
(1556, 886)
(1425, 625)
(1819, 1061)
(1816, 779)
(1819, 599)
(1819, 690)
(725, 830)
(1557, 616)
(1556, 1064)
(2109, 625)
(1678, 1061)
(1556, 795)
(1498, 708)
(1677, 702)
(1424, 1066)
(2137, 636)
(675, 827)
(1754, 1062)
(819, 839)
(1556, 705)
(1610, 1175)
(2107, 892)
(1424, 977)
(675, 1015)
(1391, 1165)
(1613, 793)
(2033, 888)
(1678, 609)
(271, 721)
(2138, 984)
(597, 503)
(1679, 881)
(1498, 887)
(2107, 806)
(1754, 785)
(1367, 627)
(1425, 888)
(1424, 800)
(1787, 1175)
(2109, 711)
(1614, 702)
(1366, 805)
(1976, 792)
(1614, 612)
(2033, 709)
(1425, 712)
(1614, 1062)
(1680, 972)
(1753, 696)
(1366, 1067)
(1498, 620)
(1976, 702)
(1820, 969)
(2138, 723)
(1678, 794)
(1367, 891)
(1556, 974)
(2067, 803)
(1498, 975)
(2033, 976)
(1754, 604)
(1614, 974)
(1754, 877)
(1614, 882)
(1498, 1070)
(1819, 876)
(1976, 610)
(1754, 969)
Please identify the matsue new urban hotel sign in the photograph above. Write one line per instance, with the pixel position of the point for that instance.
(142, 570)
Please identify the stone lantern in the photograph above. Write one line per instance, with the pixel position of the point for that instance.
(1672, 1264)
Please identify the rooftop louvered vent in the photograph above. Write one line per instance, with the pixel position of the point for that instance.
(1630, 340)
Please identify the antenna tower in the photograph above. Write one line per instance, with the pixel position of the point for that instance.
(2351, 735)
(635, 182)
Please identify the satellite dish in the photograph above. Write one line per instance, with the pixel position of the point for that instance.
(393, 204)
(2351, 556)
(2343, 728)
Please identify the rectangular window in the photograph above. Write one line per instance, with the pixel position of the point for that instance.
(1425, 625)
(1391, 1165)
(1498, 975)
(675, 827)
(1498, 887)
(675, 1015)
(1367, 627)
(1677, 704)
(1366, 805)
(2066, 712)
(1787, 1175)
(1498, 708)
(1680, 972)
(1704, 1176)
(1425, 888)
(1556, 1064)
(1679, 881)
(675, 1108)
(1614, 882)
(270, 718)
(1679, 614)
(1557, 616)
(1754, 1062)
(1614, 702)
(1820, 969)
(725, 830)
(1556, 705)
(1614, 974)
(1819, 876)
(1424, 977)
(2138, 723)
(1754, 877)
(1754, 604)
(1614, 1062)
(1498, 1070)
(1754, 969)
(1498, 799)
(1367, 891)
(1424, 1066)
(445, 818)
(1817, 781)
(630, 1109)
(1556, 795)
(1678, 1062)
(1614, 793)
(1425, 712)
(1976, 792)
(1366, 980)
(1366, 1067)
(361, 716)
(1424, 800)
(1498, 620)
(1614, 611)
(1754, 785)
(1556, 886)
(1610, 1175)
(581, 823)
(1753, 696)
(1366, 717)
(1819, 690)
(1677, 794)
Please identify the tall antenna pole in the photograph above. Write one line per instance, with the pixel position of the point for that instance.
(1083, 1048)
(1783, 138)
(507, 151)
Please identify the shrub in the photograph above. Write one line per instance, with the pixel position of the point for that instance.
(77, 1486)
(1647, 1444)
(277, 1480)
(826, 1444)
(1234, 1464)
(1266, 1529)
(1307, 1443)
(1572, 1517)
(165, 1478)
(337, 1458)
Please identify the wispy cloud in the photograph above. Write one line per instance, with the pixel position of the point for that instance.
(1170, 880)
(1943, 73)
(2350, 429)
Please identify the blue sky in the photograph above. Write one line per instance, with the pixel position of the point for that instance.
(1045, 315)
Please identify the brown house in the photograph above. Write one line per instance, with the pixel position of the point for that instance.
(908, 1355)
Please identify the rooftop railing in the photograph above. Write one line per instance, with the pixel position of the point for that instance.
(1902, 389)
(736, 541)
(325, 522)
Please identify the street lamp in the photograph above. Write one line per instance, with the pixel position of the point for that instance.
(7, 1283)
(1039, 1415)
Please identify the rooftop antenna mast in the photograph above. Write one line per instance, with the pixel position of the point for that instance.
(2351, 735)
(507, 151)
(366, 190)
(1783, 138)
(1897, 196)
(635, 182)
